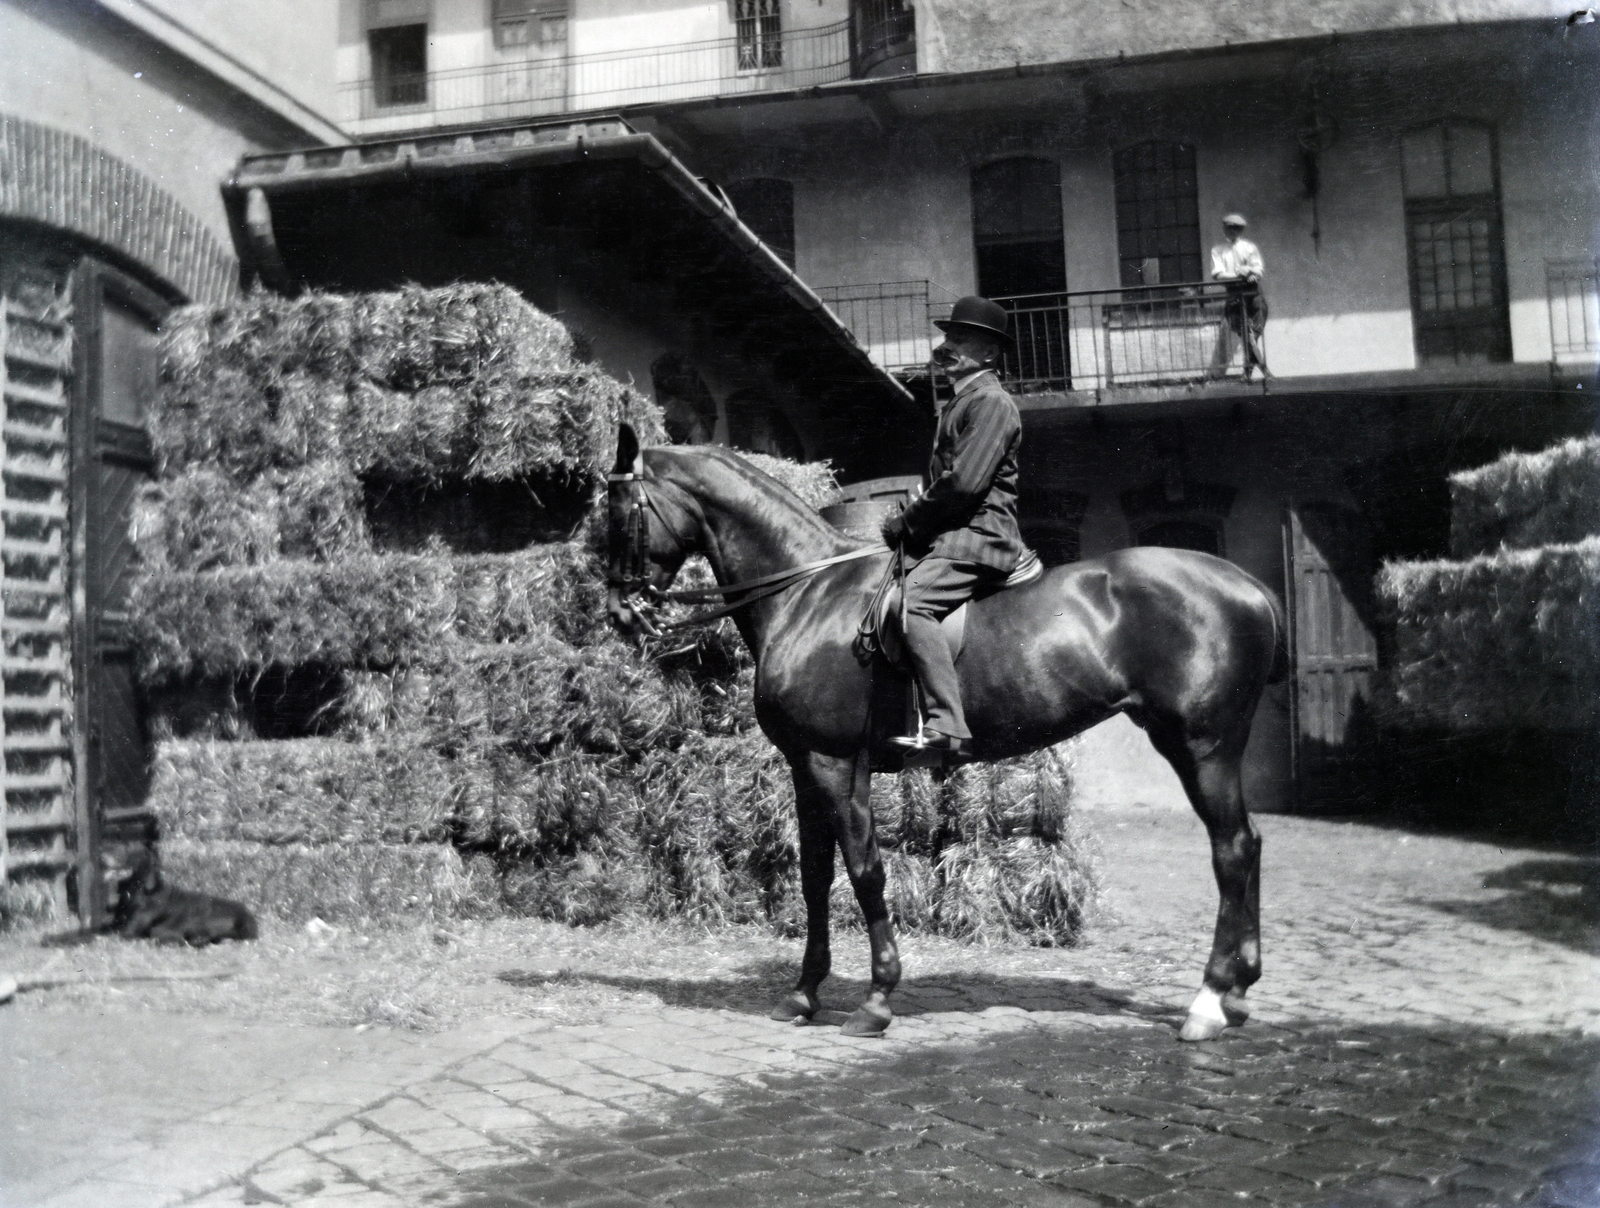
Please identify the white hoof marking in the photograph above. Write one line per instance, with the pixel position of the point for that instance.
(1207, 1006)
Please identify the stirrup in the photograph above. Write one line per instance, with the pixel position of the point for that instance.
(933, 742)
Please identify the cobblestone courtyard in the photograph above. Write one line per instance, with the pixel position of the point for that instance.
(1427, 1032)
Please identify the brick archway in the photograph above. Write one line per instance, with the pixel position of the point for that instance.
(59, 180)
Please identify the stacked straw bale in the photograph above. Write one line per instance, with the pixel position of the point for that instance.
(465, 734)
(1527, 500)
(1506, 635)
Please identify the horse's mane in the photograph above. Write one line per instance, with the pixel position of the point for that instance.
(776, 500)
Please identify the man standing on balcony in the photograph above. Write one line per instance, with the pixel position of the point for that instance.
(962, 530)
(1238, 263)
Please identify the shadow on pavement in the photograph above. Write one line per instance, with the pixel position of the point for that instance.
(1556, 900)
(1320, 1115)
(758, 990)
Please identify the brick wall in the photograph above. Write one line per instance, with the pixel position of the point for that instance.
(62, 181)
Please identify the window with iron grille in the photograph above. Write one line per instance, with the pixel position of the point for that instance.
(1454, 244)
(759, 31)
(1158, 213)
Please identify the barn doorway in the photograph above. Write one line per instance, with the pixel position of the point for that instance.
(1329, 566)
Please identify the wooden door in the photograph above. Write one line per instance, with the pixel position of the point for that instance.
(117, 367)
(1328, 550)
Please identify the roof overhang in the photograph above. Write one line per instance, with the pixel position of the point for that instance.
(172, 33)
(365, 216)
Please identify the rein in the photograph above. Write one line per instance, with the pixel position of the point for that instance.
(633, 576)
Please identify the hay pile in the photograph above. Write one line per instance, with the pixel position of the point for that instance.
(1507, 635)
(1526, 500)
(355, 731)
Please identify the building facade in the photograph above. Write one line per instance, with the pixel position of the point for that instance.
(1423, 184)
(116, 123)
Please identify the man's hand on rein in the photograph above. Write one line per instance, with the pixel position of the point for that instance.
(893, 531)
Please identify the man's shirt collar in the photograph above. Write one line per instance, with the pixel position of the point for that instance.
(967, 383)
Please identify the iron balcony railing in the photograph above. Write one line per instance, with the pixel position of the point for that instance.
(535, 87)
(1082, 340)
(1573, 288)
(1147, 335)
(890, 319)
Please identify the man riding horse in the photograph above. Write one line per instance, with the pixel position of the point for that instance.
(961, 531)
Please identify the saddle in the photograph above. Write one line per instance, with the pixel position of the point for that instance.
(882, 629)
(896, 704)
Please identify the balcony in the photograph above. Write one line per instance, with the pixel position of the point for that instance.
(1084, 340)
(1573, 287)
(540, 87)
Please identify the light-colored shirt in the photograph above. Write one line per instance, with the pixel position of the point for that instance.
(1234, 261)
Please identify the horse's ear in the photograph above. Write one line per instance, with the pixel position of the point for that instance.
(629, 459)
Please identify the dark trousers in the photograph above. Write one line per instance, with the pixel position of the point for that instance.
(1247, 316)
(934, 588)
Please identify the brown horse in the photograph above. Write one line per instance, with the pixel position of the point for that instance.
(1181, 642)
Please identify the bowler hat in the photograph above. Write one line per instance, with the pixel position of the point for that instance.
(982, 315)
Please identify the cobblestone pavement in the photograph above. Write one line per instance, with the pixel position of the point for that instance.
(1427, 1033)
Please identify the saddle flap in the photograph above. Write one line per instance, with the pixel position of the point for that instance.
(886, 622)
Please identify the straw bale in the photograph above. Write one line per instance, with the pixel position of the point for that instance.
(248, 419)
(467, 381)
(715, 820)
(302, 791)
(1030, 796)
(1498, 641)
(1525, 500)
(27, 901)
(1016, 889)
(533, 697)
(360, 610)
(557, 807)
(580, 890)
(343, 883)
(203, 519)
(812, 481)
(354, 612)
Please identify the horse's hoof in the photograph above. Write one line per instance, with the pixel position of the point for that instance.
(1211, 1014)
(1199, 1027)
(867, 1021)
(795, 1006)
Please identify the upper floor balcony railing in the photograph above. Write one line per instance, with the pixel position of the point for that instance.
(1082, 340)
(1573, 287)
(536, 87)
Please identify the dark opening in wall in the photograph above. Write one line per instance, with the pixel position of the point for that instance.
(399, 64)
(473, 517)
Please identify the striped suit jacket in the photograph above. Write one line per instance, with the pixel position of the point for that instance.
(969, 511)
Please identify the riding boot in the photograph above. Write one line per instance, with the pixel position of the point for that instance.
(929, 654)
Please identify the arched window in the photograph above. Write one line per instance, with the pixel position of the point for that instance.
(1016, 228)
(1454, 244)
(1158, 213)
(767, 207)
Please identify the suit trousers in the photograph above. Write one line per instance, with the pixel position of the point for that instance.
(934, 588)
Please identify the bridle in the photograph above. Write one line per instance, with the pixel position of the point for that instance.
(633, 577)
